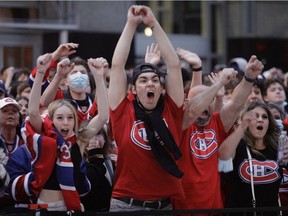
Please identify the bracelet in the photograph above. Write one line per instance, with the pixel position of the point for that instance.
(40, 72)
(249, 79)
(197, 69)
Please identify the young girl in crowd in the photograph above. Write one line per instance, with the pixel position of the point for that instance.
(23, 102)
(56, 180)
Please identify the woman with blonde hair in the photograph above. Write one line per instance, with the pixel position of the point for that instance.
(56, 147)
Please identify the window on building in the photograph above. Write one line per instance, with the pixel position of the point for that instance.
(178, 17)
(18, 14)
(18, 56)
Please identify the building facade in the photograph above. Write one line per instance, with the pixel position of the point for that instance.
(216, 30)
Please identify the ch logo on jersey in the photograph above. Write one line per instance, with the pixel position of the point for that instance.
(203, 143)
(139, 136)
(263, 171)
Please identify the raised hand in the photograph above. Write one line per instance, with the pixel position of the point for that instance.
(134, 15)
(147, 16)
(64, 50)
(247, 118)
(227, 75)
(192, 58)
(253, 68)
(64, 67)
(213, 77)
(98, 66)
(152, 54)
(43, 62)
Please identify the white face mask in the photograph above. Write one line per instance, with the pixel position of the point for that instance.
(79, 81)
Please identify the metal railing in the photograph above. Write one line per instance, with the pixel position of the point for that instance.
(269, 211)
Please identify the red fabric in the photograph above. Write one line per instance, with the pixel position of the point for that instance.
(283, 191)
(138, 174)
(201, 180)
(285, 123)
(41, 145)
(130, 96)
(42, 165)
(20, 193)
(35, 69)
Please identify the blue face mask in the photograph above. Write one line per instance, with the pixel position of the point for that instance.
(79, 81)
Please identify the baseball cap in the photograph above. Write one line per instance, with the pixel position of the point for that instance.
(238, 64)
(7, 101)
(145, 68)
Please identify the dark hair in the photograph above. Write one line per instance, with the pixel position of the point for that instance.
(269, 82)
(22, 86)
(260, 83)
(278, 108)
(79, 61)
(22, 98)
(273, 132)
(20, 71)
(3, 69)
(18, 87)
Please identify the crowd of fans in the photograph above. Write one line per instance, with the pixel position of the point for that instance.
(80, 135)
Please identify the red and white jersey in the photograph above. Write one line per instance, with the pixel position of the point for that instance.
(138, 174)
(201, 180)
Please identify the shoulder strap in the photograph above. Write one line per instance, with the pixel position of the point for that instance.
(251, 178)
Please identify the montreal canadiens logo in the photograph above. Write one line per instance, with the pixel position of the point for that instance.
(139, 136)
(203, 143)
(263, 171)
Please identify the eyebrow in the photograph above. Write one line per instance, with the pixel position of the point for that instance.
(145, 77)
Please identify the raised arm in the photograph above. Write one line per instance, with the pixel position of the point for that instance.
(199, 102)
(240, 94)
(98, 67)
(218, 102)
(118, 80)
(195, 63)
(43, 63)
(64, 50)
(174, 84)
(227, 149)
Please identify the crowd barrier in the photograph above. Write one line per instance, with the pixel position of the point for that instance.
(273, 211)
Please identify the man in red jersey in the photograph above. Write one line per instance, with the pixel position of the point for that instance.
(203, 133)
(147, 130)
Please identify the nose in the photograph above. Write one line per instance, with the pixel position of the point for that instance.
(150, 82)
(65, 121)
(253, 96)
